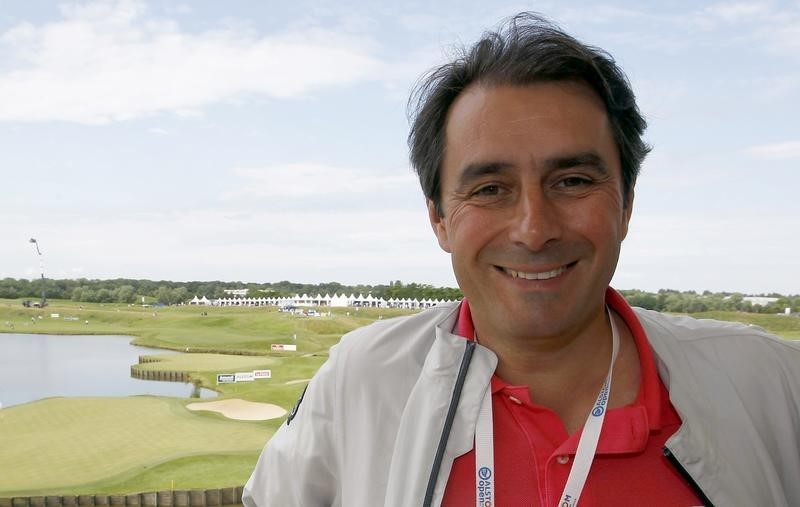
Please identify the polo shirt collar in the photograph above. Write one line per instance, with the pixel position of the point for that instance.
(626, 429)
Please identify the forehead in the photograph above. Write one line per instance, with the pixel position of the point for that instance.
(527, 124)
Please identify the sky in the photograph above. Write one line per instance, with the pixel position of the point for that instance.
(266, 141)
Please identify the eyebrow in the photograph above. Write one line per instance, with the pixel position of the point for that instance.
(477, 170)
(588, 158)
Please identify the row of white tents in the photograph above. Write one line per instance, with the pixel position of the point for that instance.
(340, 301)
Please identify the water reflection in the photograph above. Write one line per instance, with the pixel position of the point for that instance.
(41, 366)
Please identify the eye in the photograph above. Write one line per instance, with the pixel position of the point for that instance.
(487, 190)
(574, 181)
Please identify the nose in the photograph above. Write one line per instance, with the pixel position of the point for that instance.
(536, 220)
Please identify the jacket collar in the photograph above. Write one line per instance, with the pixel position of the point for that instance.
(720, 429)
(423, 418)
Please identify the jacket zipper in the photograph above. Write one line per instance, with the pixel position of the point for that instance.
(688, 478)
(466, 359)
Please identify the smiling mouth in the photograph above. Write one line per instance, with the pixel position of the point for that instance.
(544, 275)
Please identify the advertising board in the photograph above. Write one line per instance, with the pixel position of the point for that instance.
(245, 376)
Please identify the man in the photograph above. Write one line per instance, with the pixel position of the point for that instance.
(542, 387)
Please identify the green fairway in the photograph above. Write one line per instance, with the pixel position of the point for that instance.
(95, 445)
(201, 329)
(200, 471)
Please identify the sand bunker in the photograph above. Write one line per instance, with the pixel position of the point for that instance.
(241, 409)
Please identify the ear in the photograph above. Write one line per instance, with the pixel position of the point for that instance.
(626, 213)
(439, 226)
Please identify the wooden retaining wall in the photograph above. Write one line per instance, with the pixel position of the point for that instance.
(170, 376)
(176, 498)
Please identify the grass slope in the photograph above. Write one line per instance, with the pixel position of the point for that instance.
(221, 329)
(89, 445)
(201, 471)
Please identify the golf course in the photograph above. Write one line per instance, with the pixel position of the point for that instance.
(129, 444)
(95, 445)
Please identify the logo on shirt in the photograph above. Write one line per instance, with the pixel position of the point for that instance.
(602, 401)
(485, 493)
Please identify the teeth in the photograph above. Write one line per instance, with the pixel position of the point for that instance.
(535, 276)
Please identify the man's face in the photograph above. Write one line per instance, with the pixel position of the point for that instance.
(533, 212)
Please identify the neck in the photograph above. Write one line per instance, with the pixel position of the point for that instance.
(565, 373)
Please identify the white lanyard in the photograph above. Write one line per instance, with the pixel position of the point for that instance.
(587, 445)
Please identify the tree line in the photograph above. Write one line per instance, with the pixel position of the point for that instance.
(674, 301)
(124, 290)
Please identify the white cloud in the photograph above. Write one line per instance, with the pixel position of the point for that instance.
(774, 26)
(733, 12)
(734, 253)
(106, 62)
(599, 14)
(304, 180)
(777, 151)
(785, 36)
(200, 244)
(668, 170)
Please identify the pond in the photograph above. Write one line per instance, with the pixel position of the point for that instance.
(41, 366)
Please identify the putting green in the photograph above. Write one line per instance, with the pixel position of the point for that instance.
(207, 362)
(58, 444)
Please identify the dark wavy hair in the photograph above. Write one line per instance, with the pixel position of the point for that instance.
(526, 49)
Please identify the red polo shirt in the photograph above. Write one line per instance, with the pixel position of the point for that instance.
(533, 452)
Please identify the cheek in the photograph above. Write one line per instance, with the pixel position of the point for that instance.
(471, 227)
(604, 214)
(480, 242)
